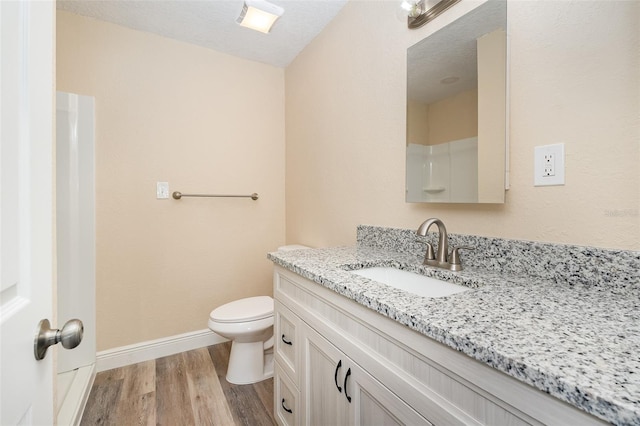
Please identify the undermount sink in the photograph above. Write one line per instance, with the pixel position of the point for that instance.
(411, 282)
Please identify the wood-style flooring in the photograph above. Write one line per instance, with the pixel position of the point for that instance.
(183, 389)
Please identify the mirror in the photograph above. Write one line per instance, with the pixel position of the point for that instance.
(456, 110)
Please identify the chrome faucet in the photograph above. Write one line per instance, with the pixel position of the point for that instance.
(441, 259)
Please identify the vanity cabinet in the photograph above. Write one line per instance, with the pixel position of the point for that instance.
(339, 363)
(287, 366)
(337, 391)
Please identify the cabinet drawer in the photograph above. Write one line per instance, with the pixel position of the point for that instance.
(287, 399)
(287, 341)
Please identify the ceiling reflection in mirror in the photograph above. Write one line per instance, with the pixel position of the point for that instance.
(456, 110)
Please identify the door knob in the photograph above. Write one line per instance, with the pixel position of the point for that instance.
(70, 336)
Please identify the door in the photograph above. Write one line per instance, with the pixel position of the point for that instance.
(323, 383)
(26, 208)
(337, 391)
(374, 404)
(75, 223)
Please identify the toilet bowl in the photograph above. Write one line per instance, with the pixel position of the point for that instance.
(248, 323)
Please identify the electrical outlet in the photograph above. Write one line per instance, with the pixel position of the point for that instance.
(549, 165)
(162, 190)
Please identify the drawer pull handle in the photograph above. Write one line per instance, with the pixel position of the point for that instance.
(284, 407)
(335, 376)
(346, 377)
(286, 342)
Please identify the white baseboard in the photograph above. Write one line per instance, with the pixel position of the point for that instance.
(76, 396)
(152, 349)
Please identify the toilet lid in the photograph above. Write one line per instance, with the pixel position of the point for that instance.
(249, 309)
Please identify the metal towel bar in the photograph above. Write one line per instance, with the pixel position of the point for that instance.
(177, 195)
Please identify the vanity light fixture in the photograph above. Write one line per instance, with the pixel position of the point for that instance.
(259, 15)
(422, 11)
(412, 7)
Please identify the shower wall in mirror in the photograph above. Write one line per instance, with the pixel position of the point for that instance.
(456, 110)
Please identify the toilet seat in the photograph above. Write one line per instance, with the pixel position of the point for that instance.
(243, 310)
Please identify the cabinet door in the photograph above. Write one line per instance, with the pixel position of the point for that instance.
(374, 404)
(322, 390)
(286, 401)
(286, 341)
(337, 391)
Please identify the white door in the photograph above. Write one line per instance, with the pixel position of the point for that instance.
(323, 383)
(75, 223)
(26, 208)
(337, 391)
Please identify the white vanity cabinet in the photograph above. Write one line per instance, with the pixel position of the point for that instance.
(337, 391)
(339, 363)
(287, 366)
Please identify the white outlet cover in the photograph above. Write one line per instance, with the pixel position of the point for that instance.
(539, 178)
(162, 190)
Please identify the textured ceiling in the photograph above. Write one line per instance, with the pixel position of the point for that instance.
(212, 23)
(451, 52)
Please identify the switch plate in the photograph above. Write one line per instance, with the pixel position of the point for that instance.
(162, 190)
(549, 165)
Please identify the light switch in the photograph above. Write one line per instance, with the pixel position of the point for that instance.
(549, 165)
(162, 190)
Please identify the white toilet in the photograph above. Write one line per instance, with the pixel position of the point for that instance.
(248, 323)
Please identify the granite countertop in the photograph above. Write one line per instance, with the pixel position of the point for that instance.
(579, 343)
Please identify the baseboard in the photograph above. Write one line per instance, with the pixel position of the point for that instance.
(152, 349)
(75, 399)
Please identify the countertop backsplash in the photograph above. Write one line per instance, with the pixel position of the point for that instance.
(576, 265)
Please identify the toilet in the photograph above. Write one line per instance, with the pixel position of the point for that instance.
(248, 323)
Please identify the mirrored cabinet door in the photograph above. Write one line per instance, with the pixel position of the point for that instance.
(456, 110)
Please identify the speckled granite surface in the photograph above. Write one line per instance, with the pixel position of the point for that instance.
(564, 319)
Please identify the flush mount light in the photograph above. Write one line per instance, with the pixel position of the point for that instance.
(259, 15)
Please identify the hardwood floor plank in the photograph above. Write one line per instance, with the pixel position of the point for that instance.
(103, 398)
(264, 390)
(246, 407)
(184, 389)
(172, 392)
(110, 375)
(139, 379)
(208, 402)
(137, 410)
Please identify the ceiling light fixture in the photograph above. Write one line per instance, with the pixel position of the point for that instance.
(259, 15)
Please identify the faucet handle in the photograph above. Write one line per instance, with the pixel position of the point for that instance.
(429, 255)
(454, 259)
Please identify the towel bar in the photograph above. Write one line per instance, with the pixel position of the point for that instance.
(178, 195)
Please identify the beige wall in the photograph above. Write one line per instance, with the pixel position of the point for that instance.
(492, 65)
(417, 122)
(453, 118)
(203, 121)
(446, 120)
(573, 79)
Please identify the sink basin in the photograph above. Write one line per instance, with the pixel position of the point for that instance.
(411, 282)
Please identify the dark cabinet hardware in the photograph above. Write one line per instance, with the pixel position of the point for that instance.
(335, 375)
(284, 407)
(346, 377)
(286, 342)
